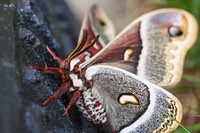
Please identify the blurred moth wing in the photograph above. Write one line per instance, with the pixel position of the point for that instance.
(147, 115)
(153, 46)
(175, 49)
(96, 22)
(100, 24)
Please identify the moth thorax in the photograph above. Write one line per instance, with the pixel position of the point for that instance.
(77, 82)
(73, 63)
(91, 108)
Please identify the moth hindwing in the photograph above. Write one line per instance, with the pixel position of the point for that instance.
(146, 103)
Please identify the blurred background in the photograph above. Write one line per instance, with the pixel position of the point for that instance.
(123, 12)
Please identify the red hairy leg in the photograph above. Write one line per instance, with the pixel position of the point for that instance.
(72, 100)
(54, 55)
(63, 88)
(52, 70)
(48, 69)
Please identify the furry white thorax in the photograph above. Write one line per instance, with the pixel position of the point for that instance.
(73, 63)
(76, 81)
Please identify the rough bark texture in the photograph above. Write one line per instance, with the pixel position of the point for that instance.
(25, 28)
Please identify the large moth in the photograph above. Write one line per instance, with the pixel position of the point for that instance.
(119, 83)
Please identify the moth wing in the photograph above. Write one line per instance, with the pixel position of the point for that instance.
(153, 46)
(144, 112)
(96, 22)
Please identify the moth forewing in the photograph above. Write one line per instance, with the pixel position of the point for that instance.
(96, 22)
(183, 46)
(108, 83)
(160, 57)
(175, 49)
(101, 24)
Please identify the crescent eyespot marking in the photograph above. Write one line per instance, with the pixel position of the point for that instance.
(127, 54)
(126, 98)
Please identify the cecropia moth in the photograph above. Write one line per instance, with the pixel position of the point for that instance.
(118, 83)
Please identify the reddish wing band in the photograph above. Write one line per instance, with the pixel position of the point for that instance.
(117, 54)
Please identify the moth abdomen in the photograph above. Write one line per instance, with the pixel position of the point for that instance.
(91, 108)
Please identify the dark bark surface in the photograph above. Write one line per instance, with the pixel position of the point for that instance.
(25, 28)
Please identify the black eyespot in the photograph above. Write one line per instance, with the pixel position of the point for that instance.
(101, 22)
(175, 31)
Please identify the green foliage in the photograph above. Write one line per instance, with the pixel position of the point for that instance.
(190, 129)
(192, 79)
(183, 127)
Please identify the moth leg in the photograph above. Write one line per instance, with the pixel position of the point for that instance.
(63, 88)
(72, 101)
(48, 69)
(52, 70)
(54, 55)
